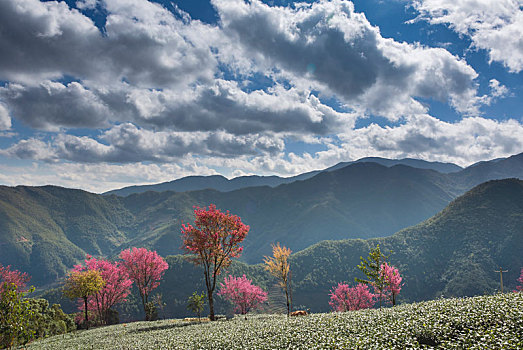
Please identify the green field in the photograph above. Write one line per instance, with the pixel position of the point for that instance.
(486, 322)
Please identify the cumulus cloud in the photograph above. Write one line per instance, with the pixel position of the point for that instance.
(225, 106)
(338, 50)
(52, 105)
(126, 143)
(143, 43)
(495, 26)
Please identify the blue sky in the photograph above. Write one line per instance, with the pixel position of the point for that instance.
(100, 94)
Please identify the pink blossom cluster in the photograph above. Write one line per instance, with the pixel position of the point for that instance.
(214, 234)
(8, 277)
(116, 288)
(345, 298)
(145, 268)
(242, 293)
(520, 280)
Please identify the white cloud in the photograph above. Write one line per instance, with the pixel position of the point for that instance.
(51, 105)
(329, 46)
(495, 26)
(5, 119)
(143, 44)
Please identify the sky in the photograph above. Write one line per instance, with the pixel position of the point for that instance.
(101, 94)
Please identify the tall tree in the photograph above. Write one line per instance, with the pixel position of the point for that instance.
(345, 298)
(242, 293)
(392, 281)
(371, 267)
(146, 269)
(213, 240)
(278, 265)
(117, 286)
(83, 284)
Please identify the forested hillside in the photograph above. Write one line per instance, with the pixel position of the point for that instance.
(454, 253)
(46, 230)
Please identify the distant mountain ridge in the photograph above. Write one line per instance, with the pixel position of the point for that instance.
(222, 184)
(45, 230)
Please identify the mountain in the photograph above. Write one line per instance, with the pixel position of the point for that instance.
(492, 170)
(222, 184)
(215, 182)
(444, 168)
(454, 253)
(45, 230)
(359, 201)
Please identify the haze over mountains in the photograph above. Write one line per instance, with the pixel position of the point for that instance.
(45, 230)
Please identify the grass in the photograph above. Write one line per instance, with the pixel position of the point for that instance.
(486, 322)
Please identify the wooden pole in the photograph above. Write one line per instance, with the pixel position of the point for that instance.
(501, 277)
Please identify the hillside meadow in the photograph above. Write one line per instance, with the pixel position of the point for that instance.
(485, 322)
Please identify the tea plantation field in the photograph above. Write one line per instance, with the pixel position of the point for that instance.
(487, 322)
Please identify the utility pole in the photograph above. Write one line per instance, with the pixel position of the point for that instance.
(501, 277)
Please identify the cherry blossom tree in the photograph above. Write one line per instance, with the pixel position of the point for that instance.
(345, 298)
(145, 269)
(520, 280)
(117, 286)
(242, 293)
(8, 277)
(213, 240)
(393, 284)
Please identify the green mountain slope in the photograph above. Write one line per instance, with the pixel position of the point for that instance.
(45, 230)
(361, 201)
(454, 253)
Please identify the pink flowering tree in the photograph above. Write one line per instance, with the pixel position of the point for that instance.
(393, 284)
(345, 298)
(520, 280)
(8, 277)
(213, 240)
(242, 293)
(117, 286)
(146, 269)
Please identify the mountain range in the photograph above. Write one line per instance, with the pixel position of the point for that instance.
(222, 184)
(45, 230)
(457, 252)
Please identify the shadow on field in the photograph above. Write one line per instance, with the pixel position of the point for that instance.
(162, 327)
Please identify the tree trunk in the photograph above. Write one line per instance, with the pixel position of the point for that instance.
(211, 305)
(287, 298)
(86, 316)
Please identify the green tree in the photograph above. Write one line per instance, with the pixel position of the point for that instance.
(82, 284)
(15, 316)
(196, 303)
(371, 267)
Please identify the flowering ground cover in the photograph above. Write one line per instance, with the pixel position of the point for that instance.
(486, 322)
